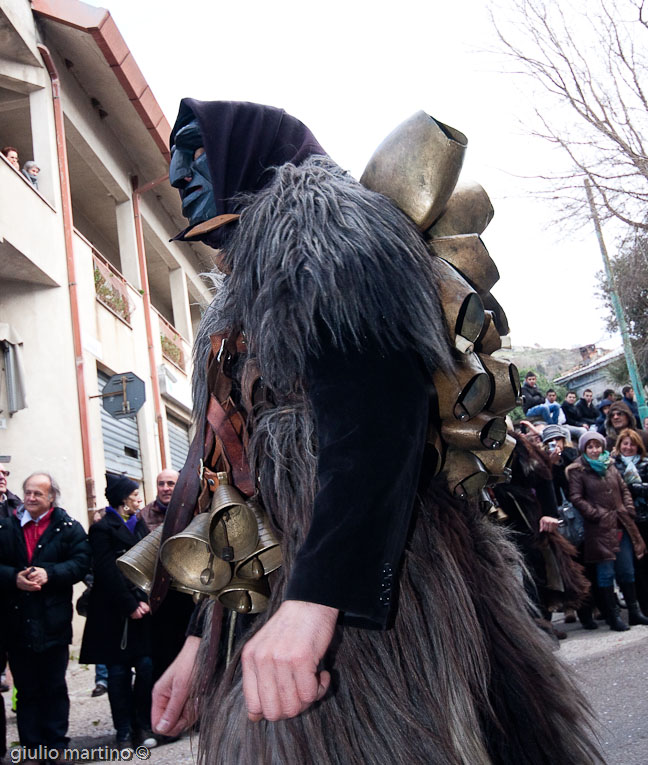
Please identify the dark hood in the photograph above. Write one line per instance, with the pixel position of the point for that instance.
(243, 142)
(619, 406)
(604, 402)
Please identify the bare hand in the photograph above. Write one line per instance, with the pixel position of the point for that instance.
(37, 575)
(170, 712)
(280, 676)
(24, 583)
(547, 523)
(140, 611)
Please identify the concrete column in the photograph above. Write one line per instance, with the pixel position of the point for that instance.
(41, 115)
(127, 242)
(180, 303)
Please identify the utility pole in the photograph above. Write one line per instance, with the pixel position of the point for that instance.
(631, 362)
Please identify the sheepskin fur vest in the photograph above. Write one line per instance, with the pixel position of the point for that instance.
(464, 677)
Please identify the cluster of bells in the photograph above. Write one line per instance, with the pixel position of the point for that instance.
(418, 166)
(225, 553)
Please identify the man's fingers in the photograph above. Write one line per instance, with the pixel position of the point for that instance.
(324, 684)
(250, 690)
(307, 683)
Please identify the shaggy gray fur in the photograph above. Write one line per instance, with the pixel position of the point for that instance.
(464, 677)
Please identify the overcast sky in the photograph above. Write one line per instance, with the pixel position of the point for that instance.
(352, 71)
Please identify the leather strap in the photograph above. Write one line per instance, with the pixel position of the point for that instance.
(229, 428)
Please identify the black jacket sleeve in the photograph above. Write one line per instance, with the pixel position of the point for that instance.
(371, 414)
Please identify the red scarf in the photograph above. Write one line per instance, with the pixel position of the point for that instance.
(34, 531)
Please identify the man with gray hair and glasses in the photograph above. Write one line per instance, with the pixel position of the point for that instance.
(43, 552)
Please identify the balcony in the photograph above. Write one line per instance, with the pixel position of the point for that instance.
(31, 240)
(111, 288)
(174, 347)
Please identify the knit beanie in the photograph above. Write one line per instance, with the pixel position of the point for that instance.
(591, 435)
(118, 487)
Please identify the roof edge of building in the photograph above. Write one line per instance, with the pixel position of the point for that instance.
(99, 24)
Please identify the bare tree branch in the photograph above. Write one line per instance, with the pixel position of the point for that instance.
(587, 59)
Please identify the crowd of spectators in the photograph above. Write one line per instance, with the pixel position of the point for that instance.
(596, 456)
(43, 553)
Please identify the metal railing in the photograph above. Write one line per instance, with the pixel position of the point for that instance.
(111, 287)
(173, 344)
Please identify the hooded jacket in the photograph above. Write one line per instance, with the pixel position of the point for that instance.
(611, 434)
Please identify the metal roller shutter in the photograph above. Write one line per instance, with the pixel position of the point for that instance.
(122, 452)
(178, 442)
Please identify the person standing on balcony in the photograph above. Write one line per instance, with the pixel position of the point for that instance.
(31, 171)
(12, 157)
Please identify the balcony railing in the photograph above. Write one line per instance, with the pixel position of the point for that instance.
(172, 344)
(111, 288)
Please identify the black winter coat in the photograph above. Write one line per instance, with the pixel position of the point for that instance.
(41, 620)
(114, 598)
(10, 504)
(588, 413)
(531, 396)
(572, 415)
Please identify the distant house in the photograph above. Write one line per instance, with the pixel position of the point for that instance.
(592, 373)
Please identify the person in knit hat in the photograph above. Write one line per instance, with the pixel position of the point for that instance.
(597, 489)
(118, 630)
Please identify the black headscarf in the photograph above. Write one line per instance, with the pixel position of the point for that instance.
(243, 142)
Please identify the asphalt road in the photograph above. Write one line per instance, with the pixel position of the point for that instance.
(612, 669)
(610, 666)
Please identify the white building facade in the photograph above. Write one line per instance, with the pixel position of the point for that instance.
(90, 285)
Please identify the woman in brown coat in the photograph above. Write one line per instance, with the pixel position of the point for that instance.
(597, 489)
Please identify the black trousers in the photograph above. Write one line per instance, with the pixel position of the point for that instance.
(43, 706)
(168, 627)
(130, 702)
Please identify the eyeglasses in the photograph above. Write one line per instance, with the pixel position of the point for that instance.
(5, 473)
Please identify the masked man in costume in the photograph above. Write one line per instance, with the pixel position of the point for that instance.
(394, 628)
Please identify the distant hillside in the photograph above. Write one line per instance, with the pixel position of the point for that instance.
(548, 362)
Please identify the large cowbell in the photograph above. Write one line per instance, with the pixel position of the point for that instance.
(189, 559)
(138, 563)
(417, 167)
(233, 529)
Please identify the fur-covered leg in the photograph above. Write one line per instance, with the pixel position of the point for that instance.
(463, 678)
